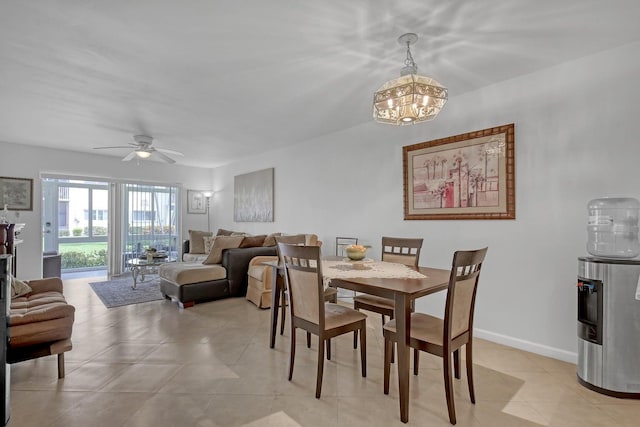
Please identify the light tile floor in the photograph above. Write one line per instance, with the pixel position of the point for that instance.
(154, 364)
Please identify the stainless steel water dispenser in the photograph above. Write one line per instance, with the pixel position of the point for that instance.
(609, 326)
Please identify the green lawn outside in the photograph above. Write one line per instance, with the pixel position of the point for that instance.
(87, 247)
(83, 255)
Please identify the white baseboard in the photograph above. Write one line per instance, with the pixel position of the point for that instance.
(529, 346)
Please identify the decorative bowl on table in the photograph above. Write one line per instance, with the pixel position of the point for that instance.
(355, 252)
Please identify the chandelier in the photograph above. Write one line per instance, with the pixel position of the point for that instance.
(410, 98)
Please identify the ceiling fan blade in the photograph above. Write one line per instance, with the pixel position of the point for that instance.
(115, 146)
(163, 157)
(164, 150)
(129, 156)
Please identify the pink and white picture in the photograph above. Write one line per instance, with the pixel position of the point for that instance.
(465, 176)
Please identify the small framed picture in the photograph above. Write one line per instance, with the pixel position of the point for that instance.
(196, 202)
(16, 193)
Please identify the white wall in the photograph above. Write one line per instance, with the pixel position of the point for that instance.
(29, 162)
(575, 140)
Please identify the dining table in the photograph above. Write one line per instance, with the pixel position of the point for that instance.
(402, 290)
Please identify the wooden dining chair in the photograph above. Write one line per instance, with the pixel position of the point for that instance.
(445, 337)
(330, 294)
(343, 242)
(394, 249)
(309, 311)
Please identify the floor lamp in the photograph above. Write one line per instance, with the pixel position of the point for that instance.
(208, 195)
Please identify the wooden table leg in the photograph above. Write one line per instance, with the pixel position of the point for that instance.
(403, 325)
(275, 305)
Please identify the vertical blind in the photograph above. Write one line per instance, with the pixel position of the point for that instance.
(149, 219)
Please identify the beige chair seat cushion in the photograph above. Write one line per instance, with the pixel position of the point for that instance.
(183, 273)
(423, 327)
(375, 301)
(337, 315)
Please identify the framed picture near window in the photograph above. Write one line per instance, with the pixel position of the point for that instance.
(196, 202)
(467, 176)
(16, 193)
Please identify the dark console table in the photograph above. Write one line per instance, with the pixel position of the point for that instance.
(9, 239)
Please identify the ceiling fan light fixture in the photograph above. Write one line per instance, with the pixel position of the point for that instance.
(143, 154)
(411, 98)
(142, 149)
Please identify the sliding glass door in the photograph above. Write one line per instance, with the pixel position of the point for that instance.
(150, 220)
(75, 222)
(100, 224)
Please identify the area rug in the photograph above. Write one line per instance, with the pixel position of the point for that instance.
(118, 292)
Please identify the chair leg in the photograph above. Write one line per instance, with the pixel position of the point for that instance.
(393, 352)
(388, 348)
(456, 363)
(472, 394)
(292, 352)
(416, 361)
(283, 314)
(448, 387)
(60, 365)
(355, 336)
(308, 339)
(320, 368)
(328, 349)
(363, 348)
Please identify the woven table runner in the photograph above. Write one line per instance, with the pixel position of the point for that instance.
(366, 269)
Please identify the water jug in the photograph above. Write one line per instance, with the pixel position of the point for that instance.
(612, 228)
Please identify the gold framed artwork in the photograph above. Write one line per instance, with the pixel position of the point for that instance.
(16, 193)
(467, 176)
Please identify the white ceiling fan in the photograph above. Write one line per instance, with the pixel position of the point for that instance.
(143, 149)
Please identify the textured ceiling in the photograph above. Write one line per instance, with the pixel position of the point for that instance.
(220, 80)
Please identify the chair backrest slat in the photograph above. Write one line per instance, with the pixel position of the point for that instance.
(401, 250)
(461, 294)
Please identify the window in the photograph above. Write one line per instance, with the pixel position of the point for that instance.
(63, 214)
(99, 215)
(142, 216)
